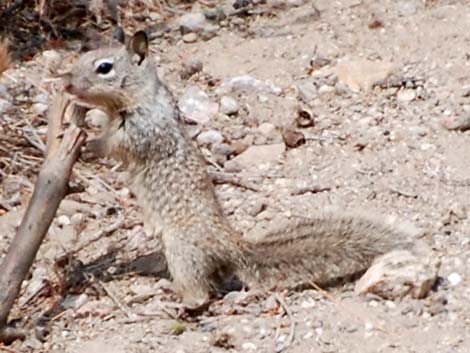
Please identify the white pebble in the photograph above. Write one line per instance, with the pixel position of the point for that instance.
(368, 327)
(77, 218)
(248, 346)
(228, 105)
(63, 220)
(308, 335)
(454, 278)
(262, 99)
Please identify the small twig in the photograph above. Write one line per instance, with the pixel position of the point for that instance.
(227, 178)
(324, 292)
(207, 3)
(291, 336)
(404, 193)
(140, 298)
(4, 348)
(164, 310)
(116, 301)
(100, 234)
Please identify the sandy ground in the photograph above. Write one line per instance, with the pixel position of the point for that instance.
(381, 150)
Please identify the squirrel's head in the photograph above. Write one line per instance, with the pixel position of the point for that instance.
(109, 77)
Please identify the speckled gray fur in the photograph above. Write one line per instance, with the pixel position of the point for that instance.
(169, 178)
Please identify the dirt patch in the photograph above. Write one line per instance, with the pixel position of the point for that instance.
(382, 150)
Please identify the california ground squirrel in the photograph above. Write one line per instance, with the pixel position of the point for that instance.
(169, 178)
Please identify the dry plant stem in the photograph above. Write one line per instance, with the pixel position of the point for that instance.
(51, 187)
(291, 336)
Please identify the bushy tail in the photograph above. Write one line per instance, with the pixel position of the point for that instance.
(324, 250)
(5, 59)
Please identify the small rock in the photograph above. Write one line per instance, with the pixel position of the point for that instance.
(4, 105)
(247, 84)
(400, 273)
(419, 131)
(63, 220)
(34, 343)
(238, 133)
(363, 74)
(191, 67)
(77, 218)
(438, 306)
(190, 38)
(325, 89)
(242, 145)
(460, 123)
(249, 346)
(196, 106)
(454, 278)
(38, 280)
(306, 91)
(256, 155)
(270, 303)
(235, 297)
(74, 301)
(296, 3)
(317, 62)
(286, 4)
(209, 31)
(270, 132)
(407, 8)
(375, 22)
(223, 149)
(256, 207)
(406, 95)
(192, 22)
(215, 14)
(237, 21)
(100, 308)
(293, 138)
(41, 98)
(229, 106)
(40, 108)
(238, 4)
(209, 138)
(223, 340)
(262, 98)
(155, 17)
(51, 55)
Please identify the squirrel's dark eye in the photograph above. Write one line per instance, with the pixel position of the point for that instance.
(104, 68)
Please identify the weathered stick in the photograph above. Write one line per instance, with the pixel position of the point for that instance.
(63, 149)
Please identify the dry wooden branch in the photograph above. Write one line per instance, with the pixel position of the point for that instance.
(63, 149)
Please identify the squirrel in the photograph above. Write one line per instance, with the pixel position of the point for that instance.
(5, 59)
(168, 176)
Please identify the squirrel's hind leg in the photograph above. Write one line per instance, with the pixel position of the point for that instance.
(189, 268)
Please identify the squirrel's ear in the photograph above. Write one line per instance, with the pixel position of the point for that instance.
(119, 35)
(138, 45)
